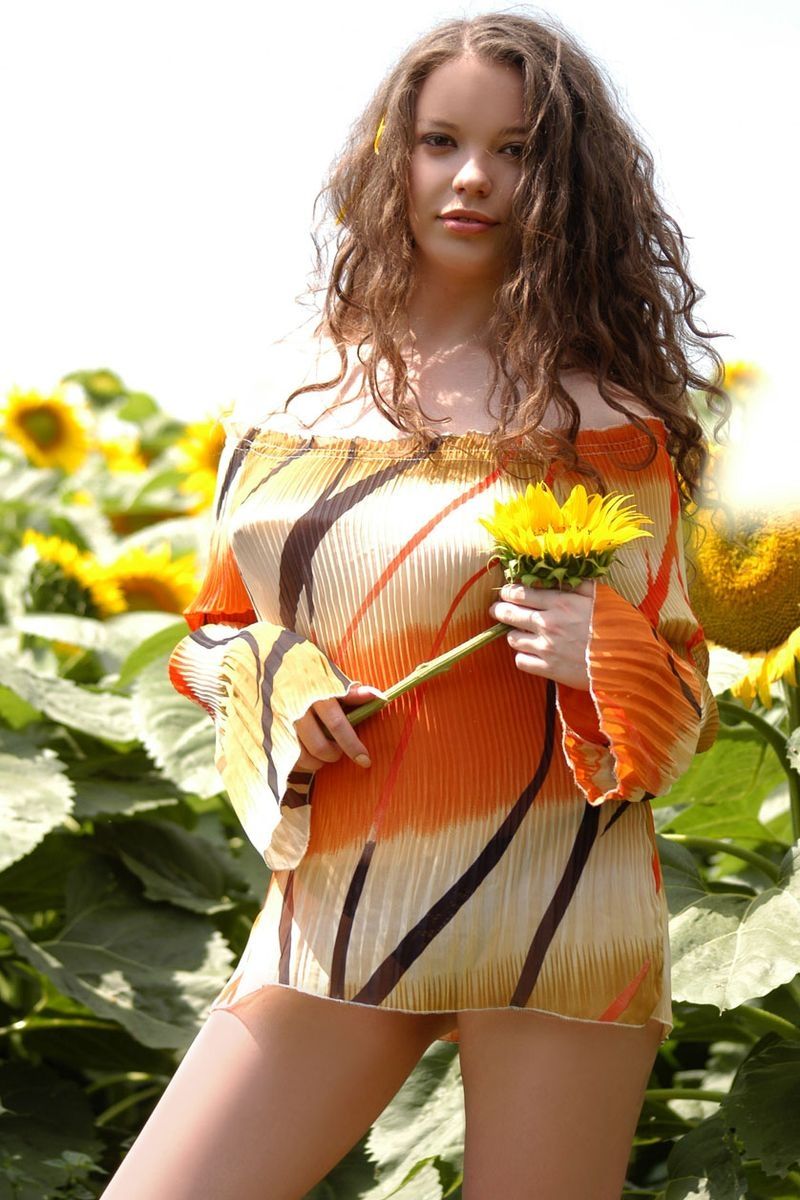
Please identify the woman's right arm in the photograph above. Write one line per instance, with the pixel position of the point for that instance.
(264, 686)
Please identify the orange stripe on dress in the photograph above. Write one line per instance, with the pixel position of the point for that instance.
(413, 715)
(402, 555)
(621, 1002)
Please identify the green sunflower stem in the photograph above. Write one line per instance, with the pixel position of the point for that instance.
(427, 670)
(718, 846)
(792, 694)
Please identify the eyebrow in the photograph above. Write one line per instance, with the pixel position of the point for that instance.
(450, 125)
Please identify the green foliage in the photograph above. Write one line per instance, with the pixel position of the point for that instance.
(127, 893)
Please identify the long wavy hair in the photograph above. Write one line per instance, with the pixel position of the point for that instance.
(597, 278)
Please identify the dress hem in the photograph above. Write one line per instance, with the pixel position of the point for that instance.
(666, 1027)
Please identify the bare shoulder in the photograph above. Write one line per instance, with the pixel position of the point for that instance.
(595, 413)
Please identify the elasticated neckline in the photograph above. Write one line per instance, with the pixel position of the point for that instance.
(470, 444)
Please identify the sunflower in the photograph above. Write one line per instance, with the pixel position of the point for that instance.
(540, 540)
(198, 453)
(745, 582)
(53, 430)
(764, 670)
(150, 579)
(66, 579)
(742, 377)
(122, 455)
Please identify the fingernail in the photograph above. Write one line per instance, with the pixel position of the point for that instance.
(363, 760)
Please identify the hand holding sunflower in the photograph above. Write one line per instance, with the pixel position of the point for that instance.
(551, 629)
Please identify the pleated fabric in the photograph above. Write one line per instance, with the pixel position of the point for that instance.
(500, 851)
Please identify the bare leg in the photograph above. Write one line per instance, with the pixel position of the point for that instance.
(551, 1105)
(267, 1099)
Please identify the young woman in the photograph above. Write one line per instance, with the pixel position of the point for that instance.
(505, 305)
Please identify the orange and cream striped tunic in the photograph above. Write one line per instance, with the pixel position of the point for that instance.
(500, 851)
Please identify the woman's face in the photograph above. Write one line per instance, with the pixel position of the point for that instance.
(466, 155)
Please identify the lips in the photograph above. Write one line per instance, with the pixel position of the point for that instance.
(467, 217)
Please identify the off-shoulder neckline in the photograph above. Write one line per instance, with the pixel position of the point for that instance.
(451, 445)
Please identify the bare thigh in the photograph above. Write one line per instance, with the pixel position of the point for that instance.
(269, 1097)
(551, 1104)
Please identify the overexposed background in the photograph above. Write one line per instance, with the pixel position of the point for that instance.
(161, 160)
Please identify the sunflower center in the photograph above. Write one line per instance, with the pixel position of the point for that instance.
(42, 425)
(145, 594)
(745, 590)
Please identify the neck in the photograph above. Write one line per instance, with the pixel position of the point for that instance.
(447, 314)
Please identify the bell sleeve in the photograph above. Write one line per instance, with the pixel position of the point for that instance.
(255, 679)
(649, 708)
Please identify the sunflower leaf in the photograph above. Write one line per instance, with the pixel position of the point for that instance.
(36, 796)
(178, 734)
(730, 949)
(104, 716)
(764, 1103)
(151, 967)
(422, 1127)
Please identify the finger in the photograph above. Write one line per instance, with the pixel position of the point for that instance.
(307, 762)
(334, 718)
(313, 740)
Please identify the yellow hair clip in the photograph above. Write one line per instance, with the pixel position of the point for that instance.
(379, 134)
(376, 148)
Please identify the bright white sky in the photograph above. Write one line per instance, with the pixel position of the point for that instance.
(161, 160)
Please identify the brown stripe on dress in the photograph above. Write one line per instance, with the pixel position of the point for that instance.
(408, 950)
(623, 804)
(201, 637)
(584, 840)
(310, 528)
(236, 460)
(340, 946)
(285, 929)
(298, 453)
(682, 684)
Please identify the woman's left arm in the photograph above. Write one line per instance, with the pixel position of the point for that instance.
(628, 656)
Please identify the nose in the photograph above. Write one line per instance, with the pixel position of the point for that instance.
(471, 177)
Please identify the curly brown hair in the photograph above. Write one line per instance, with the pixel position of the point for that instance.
(597, 280)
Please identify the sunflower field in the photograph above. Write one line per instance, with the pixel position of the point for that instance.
(127, 888)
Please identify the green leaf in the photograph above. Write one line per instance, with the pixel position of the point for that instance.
(682, 879)
(729, 949)
(35, 797)
(128, 631)
(764, 1105)
(705, 1023)
(101, 714)
(707, 1157)
(793, 748)
(724, 789)
(179, 735)
(177, 866)
(64, 627)
(157, 646)
(15, 711)
(424, 1122)
(150, 967)
(136, 407)
(769, 1187)
(36, 884)
(123, 797)
(43, 1117)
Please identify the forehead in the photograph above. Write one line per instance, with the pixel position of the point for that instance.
(470, 90)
